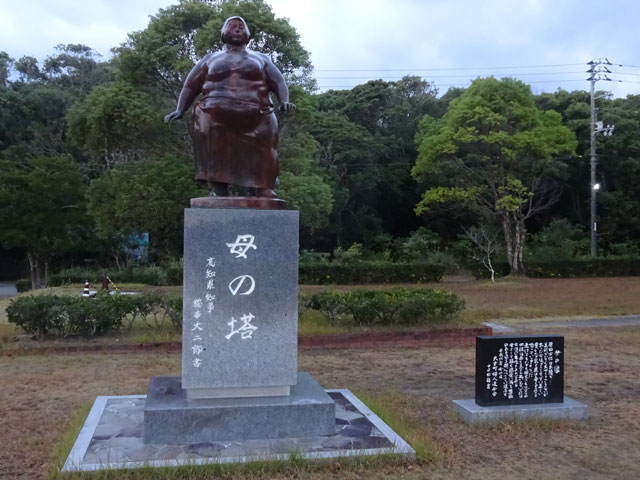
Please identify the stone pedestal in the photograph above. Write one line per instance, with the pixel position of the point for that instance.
(240, 306)
(568, 409)
(240, 335)
(170, 417)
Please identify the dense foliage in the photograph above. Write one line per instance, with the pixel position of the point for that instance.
(86, 162)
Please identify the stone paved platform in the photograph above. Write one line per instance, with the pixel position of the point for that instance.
(111, 438)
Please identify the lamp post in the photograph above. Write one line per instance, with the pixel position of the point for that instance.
(597, 72)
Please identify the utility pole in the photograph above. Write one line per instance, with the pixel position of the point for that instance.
(597, 71)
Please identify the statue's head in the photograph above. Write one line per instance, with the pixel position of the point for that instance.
(235, 31)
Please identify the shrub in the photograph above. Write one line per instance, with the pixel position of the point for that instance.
(38, 315)
(369, 272)
(63, 316)
(89, 317)
(397, 306)
(584, 267)
(575, 268)
(173, 307)
(559, 240)
(23, 285)
(350, 255)
(66, 316)
(311, 256)
(332, 304)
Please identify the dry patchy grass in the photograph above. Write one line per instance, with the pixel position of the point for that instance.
(41, 394)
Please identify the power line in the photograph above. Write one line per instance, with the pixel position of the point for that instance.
(467, 84)
(465, 76)
(445, 69)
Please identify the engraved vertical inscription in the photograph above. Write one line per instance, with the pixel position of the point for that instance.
(513, 370)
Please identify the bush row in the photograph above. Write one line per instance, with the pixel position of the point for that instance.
(396, 306)
(148, 274)
(79, 316)
(369, 272)
(68, 316)
(582, 267)
(309, 274)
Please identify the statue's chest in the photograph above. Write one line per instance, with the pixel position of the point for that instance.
(239, 66)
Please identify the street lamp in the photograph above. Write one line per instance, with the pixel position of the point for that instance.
(598, 71)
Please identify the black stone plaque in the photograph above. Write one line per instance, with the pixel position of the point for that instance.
(516, 370)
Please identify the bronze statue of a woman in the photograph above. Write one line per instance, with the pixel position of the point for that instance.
(235, 128)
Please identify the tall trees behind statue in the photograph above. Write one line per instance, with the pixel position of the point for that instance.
(41, 209)
(147, 196)
(494, 151)
(365, 138)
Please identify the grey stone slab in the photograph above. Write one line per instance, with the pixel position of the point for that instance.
(237, 392)
(570, 409)
(499, 329)
(240, 326)
(170, 417)
(89, 454)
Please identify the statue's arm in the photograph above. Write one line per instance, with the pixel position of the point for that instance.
(191, 89)
(276, 84)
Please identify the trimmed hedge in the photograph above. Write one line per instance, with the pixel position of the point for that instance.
(368, 272)
(582, 267)
(68, 316)
(149, 275)
(587, 267)
(396, 306)
(309, 273)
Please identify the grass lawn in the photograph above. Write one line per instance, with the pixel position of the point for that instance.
(43, 394)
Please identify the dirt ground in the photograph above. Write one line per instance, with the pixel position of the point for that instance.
(40, 394)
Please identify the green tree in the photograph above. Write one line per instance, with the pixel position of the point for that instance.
(494, 151)
(33, 108)
(76, 69)
(28, 69)
(161, 56)
(42, 208)
(303, 184)
(141, 197)
(366, 141)
(5, 67)
(118, 123)
(619, 173)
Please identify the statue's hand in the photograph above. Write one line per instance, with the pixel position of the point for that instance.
(172, 116)
(287, 106)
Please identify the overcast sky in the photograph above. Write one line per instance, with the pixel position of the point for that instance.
(448, 42)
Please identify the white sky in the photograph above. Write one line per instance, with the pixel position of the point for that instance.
(387, 39)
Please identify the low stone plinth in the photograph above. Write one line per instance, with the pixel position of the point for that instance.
(171, 418)
(569, 409)
(111, 438)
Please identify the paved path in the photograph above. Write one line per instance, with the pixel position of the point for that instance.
(621, 321)
(7, 289)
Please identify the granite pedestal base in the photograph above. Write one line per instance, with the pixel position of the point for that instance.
(112, 438)
(570, 409)
(171, 418)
